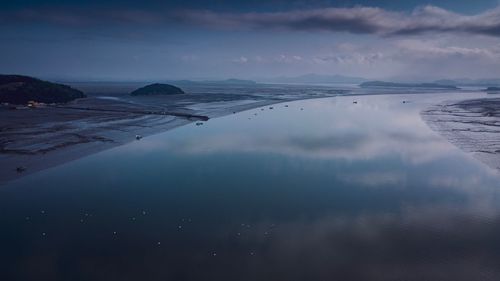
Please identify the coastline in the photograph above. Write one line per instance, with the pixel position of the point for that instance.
(42, 138)
(473, 125)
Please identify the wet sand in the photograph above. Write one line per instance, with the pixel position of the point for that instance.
(37, 139)
(472, 125)
(40, 138)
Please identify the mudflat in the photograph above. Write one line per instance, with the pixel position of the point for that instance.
(472, 125)
(33, 139)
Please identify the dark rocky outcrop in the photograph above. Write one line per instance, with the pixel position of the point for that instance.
(19, 89)
(157, 89)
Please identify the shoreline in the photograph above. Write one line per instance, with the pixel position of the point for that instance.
(472, 125)
(42, 138)
(34, 150)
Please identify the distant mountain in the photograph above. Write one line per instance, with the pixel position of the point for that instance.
(469, 82)
(19, 89)
(215, 82)
(157, 89)
(235, 82)
(382, 84)
(447, 82)
(317, 79)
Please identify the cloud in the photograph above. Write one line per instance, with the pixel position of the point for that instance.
(361, 20)
(281, 58)
(241, 59)
(355, 20)
(358, 20)
(432, 49)
(79, 17)
(350, 58)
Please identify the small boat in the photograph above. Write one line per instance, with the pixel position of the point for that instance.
(20, 169)
(138, 137)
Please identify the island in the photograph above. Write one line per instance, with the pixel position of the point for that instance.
(157, 89)
(381, 84)
(19, 89)
(35, 137)
(493, 89)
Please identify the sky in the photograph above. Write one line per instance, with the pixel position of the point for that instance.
(255, 39)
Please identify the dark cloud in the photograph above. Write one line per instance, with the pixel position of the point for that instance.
(363, 20)
(359, 20)
(77, 17)
(355, 20)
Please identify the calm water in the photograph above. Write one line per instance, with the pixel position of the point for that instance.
(336, 191)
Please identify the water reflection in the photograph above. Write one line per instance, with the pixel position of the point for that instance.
(328, 129)
(335, 191)
(418, 244)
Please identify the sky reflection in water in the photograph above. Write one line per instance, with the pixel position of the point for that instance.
(336, 191)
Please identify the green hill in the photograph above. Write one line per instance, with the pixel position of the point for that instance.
(157, 89)
(18, 89)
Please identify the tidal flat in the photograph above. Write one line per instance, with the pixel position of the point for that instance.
(353, 186)
(38, 138)
(471, 124)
